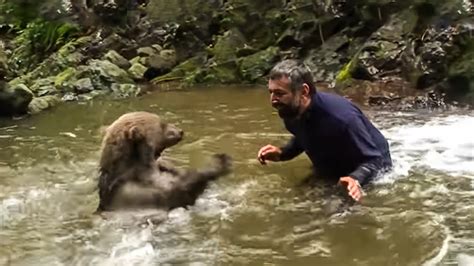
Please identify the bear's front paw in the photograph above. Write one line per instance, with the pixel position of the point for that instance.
(223, 162)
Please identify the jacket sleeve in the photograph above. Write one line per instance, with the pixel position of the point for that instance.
(290, 150)
(364, 146)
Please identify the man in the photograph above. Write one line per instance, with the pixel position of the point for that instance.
(338, 138)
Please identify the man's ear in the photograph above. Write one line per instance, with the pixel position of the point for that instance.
(305, 91)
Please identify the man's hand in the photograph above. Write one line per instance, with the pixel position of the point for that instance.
(270, 153)
(353, 187)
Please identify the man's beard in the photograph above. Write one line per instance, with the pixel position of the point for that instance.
(288, 111)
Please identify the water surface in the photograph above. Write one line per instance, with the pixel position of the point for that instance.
(421, 212)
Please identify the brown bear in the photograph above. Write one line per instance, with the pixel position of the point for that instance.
(132, 174)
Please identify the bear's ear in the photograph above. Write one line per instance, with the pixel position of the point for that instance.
(102, 130)
(134, 133)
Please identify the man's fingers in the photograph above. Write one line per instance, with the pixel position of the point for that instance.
(264, 150)
(343, 182)
(355, 194)
(350, 186)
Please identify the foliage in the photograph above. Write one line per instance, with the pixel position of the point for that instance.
(19, 13)
(38, 39)
(45, 36)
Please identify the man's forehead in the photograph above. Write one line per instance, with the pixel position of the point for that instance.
(279, 83)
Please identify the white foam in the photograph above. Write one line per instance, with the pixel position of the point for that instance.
(18, 207)
(135, 247)
(442, 252)
(444, 144)
(465, 260)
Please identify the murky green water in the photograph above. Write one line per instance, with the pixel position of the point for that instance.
(422, 212)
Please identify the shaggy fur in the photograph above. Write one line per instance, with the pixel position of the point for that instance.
(132, 174)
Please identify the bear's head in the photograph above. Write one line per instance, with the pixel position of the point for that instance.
(137, 138)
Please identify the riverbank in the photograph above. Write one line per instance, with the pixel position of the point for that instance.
(372, 48)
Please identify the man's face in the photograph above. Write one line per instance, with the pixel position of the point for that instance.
(283, 99)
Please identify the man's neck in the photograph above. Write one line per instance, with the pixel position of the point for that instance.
(305, 103)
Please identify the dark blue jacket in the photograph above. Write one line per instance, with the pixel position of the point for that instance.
(339, 139)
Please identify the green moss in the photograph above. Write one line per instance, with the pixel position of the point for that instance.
(64, 76)
(187, 71)
(254, 66)
(345, 73)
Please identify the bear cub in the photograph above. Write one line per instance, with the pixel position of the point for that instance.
(133, 176)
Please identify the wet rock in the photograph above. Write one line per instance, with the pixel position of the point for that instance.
(117, 59)
(4, 70)
(459, 84)
(227, 45)
(112, 41)
(103, 73)
(83, 85)
(137, 71)
(190, 71)
(69, 97)
(63, 80)
(163, 62)
(429, 100)
(381, 54)
(135, 60)
(326, 61)
(255, 66)
(125, 90)
(39, 85)
(146, 51)
(39, 104)
(157, 47)
(111, 11)
(223, 73)
(189, 23)
(14, 99)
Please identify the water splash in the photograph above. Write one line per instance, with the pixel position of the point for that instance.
(444, 144)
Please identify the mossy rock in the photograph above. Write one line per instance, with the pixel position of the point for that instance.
(136, 71)
(125, 90)
(187, 70)
(65, 77)
(39, 104)
(117, 59)
(227, 45)
(14, 99)
(255, 66)
(223, 73)
(461, 78)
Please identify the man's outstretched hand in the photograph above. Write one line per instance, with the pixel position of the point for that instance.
(353, 187)
(270, 153)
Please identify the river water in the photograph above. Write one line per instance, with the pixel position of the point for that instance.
(420, 213)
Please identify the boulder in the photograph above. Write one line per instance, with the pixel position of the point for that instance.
(117, 59)
(255, 66)
(136, 71)
(14, 99)
(42, 103)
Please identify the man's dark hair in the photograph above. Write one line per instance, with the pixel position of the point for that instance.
(296, 72)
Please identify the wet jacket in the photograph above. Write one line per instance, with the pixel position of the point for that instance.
(338, 139)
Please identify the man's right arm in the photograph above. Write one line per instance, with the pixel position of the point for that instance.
(290, 150)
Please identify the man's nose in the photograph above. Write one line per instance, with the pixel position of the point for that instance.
(273, 97)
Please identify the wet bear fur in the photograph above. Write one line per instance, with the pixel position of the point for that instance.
(133, 176)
